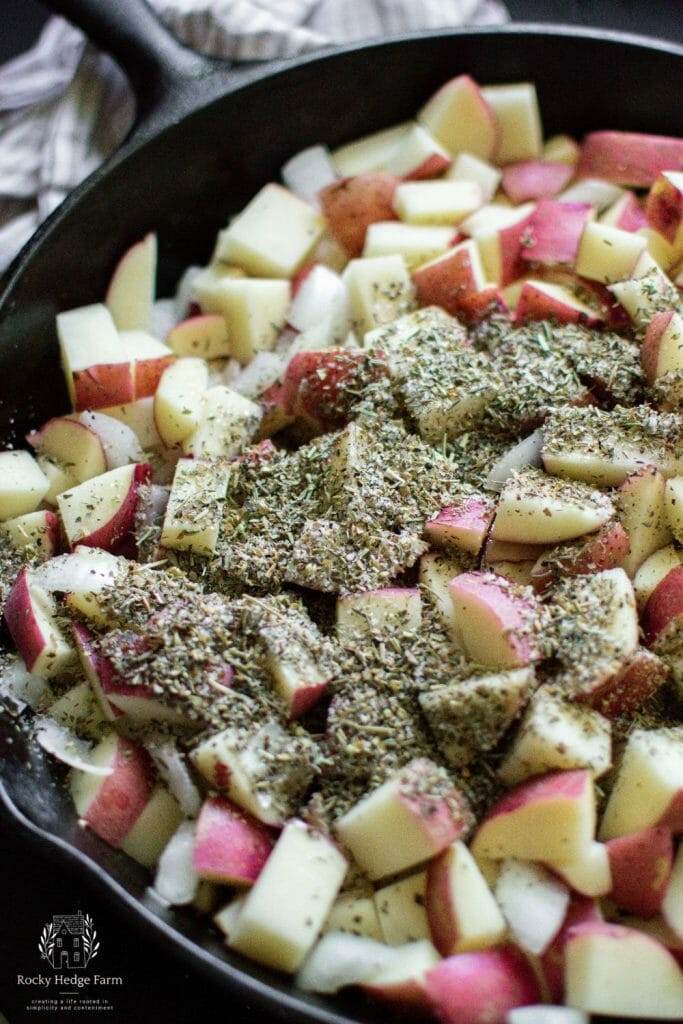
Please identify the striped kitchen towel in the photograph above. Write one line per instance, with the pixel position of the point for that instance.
(64, 105)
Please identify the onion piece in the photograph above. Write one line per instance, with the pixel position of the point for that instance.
(525, 453)
(176, 880)
(321, 296)
(19, 687)
(308, 171)
(152, 504)
(120, 442)
(183, 298)
(85, 569)
(340, 959)
(174, 771)
(164, 317)
(264, 370)
(65, 746)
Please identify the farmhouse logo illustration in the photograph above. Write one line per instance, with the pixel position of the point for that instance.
(69, 941)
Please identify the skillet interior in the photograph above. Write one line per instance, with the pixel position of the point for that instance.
(184, 182)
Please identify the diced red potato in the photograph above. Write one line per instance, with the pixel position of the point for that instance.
(662, 348)
(467, 167)
(562, 148)
(494, 620)
(98, 372)
(640, 503)
(111, 804)
(204, 336)
(515, 107)
(665, 604)
(23, 485)
(629, 158)
(674, 506)
(626, 214)
(377, 610)
(608, 254)
(132, 289)
(535, 179)
(462, 526)
(664, 206)
(463, 914)
(30, 613)
(589, 874)
(536, 508)
(551, 818)
(557, 734)
(622, 973)
(39, 532)
(149, 358)
(605, 549)
(229, 847)
(639, 677)
(313, 389)
(403, 822)
(641, 864)
(481, 987)
(552, 963)
(503, 242)
(101, 512)
(553, 232)
(542, 300)
(653, 571)
(649, 787)
(418, 155)
(507, 551)
(436, 202)
(71, 443)
(457, 283)
(352, 204)
(461, 119)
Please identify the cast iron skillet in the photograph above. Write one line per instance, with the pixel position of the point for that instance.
(205, 140)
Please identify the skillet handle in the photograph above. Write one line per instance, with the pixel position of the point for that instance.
(156, 64)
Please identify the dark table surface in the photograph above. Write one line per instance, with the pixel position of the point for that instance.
(156, 985)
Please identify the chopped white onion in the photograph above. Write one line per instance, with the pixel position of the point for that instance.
(593, 191)
(263, 371)
(164, 317)
(183, 296)
(176, 879)
(543, 1014)
(533, 902)
(88, 569)
(175, 773)
(20, 687)
(525, 453)
(341, 959)
(61, 743)
(309, 171)
(120, 442)
(321, 295)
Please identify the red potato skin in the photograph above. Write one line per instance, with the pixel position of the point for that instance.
(581, 910)
(649, 352)
(230, 846)
(535, 304)
(53, 528)
(98, 387)
(313, 390)
(641, 864)
(639, 679)
(481, 988)
(513, 245)
(275, 415)
(442, 922)
(535, 179)
(629, 158)
(446, 283)
(122, 796)
(21, 623)
(664, 604)
(664, 208)
(632, 216)
(544, 242)
(405, 995)
(605, 549)
(465, 526)
(306, 698)
(115, 535)
(148, 373)
(432, 167)
(613, 312)
(352, 204)
(568, 784)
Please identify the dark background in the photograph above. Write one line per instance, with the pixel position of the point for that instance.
(157, 987)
